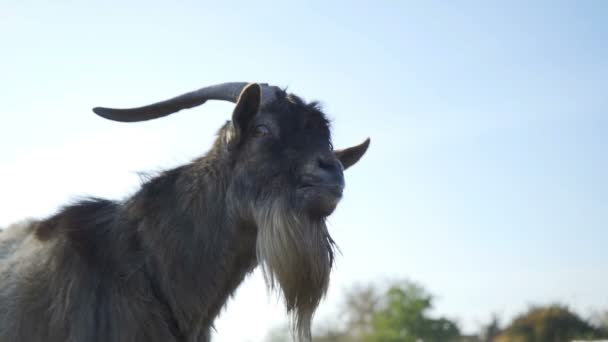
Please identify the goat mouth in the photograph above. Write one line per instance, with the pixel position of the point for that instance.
(333, 189)
(320, 199)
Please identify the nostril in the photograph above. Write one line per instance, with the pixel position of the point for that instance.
(328, 164)
(325, 164)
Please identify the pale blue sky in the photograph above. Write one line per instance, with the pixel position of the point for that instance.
(486, 178)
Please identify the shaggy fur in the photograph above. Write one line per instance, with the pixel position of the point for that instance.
(287, 242)
(160, 265)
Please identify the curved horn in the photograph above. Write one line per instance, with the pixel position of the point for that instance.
(224, 91)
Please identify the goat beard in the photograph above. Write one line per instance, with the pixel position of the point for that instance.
(296, 254)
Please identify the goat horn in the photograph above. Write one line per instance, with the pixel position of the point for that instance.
(225, 91)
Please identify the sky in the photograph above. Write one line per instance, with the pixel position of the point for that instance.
(485, 180)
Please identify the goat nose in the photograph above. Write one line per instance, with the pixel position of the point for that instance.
(323, 172)
(329, 170)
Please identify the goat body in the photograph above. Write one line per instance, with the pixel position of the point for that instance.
(160, 265)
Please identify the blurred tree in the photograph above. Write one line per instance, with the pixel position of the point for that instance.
(600, 320)
(360, 307)
(399, 314)
(490, 331)
(403, 317)
(354, 321)
(554, 323)
(334, 335)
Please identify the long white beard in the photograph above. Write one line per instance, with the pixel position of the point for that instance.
(296, 255)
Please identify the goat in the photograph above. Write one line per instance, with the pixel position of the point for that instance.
(161, 264)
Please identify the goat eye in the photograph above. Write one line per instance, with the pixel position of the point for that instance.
(261, 131)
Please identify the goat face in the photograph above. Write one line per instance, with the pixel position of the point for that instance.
(283, 150)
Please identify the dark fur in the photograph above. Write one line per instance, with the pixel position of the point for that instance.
(160, 265)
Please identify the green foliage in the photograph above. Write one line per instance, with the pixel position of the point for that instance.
(555, 323)
(403, 316)
(399, 314)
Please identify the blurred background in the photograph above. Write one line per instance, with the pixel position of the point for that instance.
(480, 210)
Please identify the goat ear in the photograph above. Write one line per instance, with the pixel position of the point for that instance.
(247, 107)
(350, 156)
